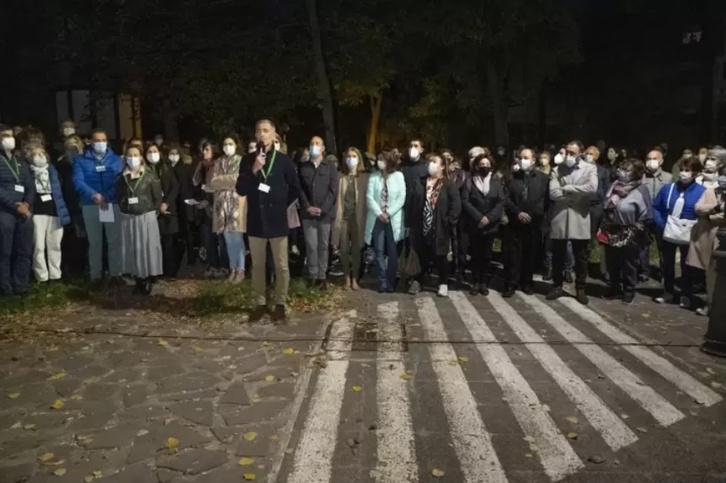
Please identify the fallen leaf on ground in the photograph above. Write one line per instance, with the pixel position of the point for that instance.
(288, 451)
(453, 363)
(357, 389)
(98, 473)
(172, 443)
(710, 371)
(76, 397)
(270, 378)
(46, 457)
(29, 426)
(463, 359)
(249, 477)
(572, 419)
(715, 385)
(642, 430)
(250, 436)
(198, 349)
(289, 351)
(89, 478)
(57, 376)
(406, 377)
(60, 472)
(529, 439)
(437, 473)
(572, 435)
(58, 404)
(528, 455)
(246, 461)
(14, 395)
(162, 342)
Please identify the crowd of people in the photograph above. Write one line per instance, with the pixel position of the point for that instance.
(83, 208)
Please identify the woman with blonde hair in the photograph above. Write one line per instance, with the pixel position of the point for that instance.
(349, 224)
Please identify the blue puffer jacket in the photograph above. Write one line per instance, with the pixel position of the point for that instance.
(666, 199)
(55, 190)
(9, 195)
(92, 176)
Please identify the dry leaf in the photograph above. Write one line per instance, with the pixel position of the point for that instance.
(249, 477)
(172, 443)
(572, 435)
(289, 351)
(246, 461)
(58, 404)
(55, 377)
(29, 426)
(710, 371)
(357, 389)
(98, 473)
(14, 395)
(572, 419)
(270, 378)
(274, 437)
(60, 472)
(89, 478)
(46, 457)
(463, 359)
(528, 455)
(198, 349)
(715, 385)
(76, 397)
(163, 343)
(250, 436)
(453, 363)
(437, 473)
(642, 430)
(406, 377)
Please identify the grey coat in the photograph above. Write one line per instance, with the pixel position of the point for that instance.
(655, 182)
(571, 190)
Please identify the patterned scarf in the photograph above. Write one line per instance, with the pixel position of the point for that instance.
(432, 196)
(42, 179)
(619, 191)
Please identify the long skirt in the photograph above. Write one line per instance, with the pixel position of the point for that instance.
(141, 252)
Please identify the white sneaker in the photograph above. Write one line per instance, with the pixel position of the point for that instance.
(703, 311)
(443, 291)
(685, 303)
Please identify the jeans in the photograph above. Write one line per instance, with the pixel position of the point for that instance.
(581, 252)
(214, 245)
(16, 250)
(317, 245)
(384, 245)
(569, 256)
(623, 265)
(48, 237)
(258, 250)
(95, 231)
(236, 252)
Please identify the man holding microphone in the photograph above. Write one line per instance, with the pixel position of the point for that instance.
(267, 178)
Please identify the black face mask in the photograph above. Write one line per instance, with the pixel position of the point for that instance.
(483, 170)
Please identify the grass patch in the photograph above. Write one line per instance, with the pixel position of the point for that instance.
(45, 296)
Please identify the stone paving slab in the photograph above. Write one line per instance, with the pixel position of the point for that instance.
(133, 408)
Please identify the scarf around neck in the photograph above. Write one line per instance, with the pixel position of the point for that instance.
(483, 184)
(42, 179)
(619, 191)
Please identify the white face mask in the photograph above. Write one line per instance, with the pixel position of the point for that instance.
(525, 163)
(702, 157)
(133, 162)
(544, 161)
(501, 152)
(711, 165)
(612, 155)
(351, 162)
(590, 158)
(100, 148)
(653, 165)
(40, 161)
(315, 151)
(624, 176)
(414, 153)
(686, 176)
(433, 168)
(570, 161)
(230, 149)
(559, 159)
(174, 158)
(153, 158)
(69, 131)
(8, 144)
(381, 165)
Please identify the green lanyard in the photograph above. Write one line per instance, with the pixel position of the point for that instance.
(16, 171)
(133, 190)
(272, 163)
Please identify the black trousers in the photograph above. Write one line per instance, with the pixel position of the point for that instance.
(480, 249)
(458, 249)
(169, 252)
(74, 249)
(581, 251)
(668, 255)
(16, 253)
(523, 243)
(623, 267)
(428, 257)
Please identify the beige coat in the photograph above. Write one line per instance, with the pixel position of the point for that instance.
(360, 206)
(570, 191)
(230, 209)
(703, 234)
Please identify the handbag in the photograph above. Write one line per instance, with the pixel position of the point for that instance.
(677, 231)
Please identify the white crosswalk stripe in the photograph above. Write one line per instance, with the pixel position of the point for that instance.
(399, 451)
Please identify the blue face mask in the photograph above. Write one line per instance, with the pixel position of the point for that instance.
(315, 151)
(100, 148)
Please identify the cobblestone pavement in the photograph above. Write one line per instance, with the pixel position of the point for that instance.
(115, 399)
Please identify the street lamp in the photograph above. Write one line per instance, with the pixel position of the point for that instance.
(715, 343)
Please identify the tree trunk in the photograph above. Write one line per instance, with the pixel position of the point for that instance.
(324, 86)
(376, 102)
(171, 128)
(499, 106)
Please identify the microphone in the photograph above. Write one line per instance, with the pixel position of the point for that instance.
(260, 148)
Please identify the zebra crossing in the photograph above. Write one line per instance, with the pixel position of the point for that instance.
(535, 353)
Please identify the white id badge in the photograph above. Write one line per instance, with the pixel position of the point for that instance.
(45, 198)
(265, 188)
(133, 201)
(100, 169)
(20, 188)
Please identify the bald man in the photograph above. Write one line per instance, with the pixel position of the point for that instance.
(318, 199)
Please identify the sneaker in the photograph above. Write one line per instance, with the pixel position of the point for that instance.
(414, 288)
(209, 272)
(483, 289)
(443, 290)
(508, 293)
(582, 297)
(232, 276)
(703, 311)
(474, 289)
(278, 313)
(555, 293)
(685, 303)
(258, 313)
(568, 277)
(628, 299)
(666, 298)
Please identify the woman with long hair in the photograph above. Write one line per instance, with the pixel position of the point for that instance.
(168, 219)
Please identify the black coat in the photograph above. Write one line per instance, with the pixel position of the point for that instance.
(64, 166)
(477, 205)
(319, 188)
(169, 223)
(412, 174)
(527, 192)
(267, 212)
(446, 215)
(184, 174)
